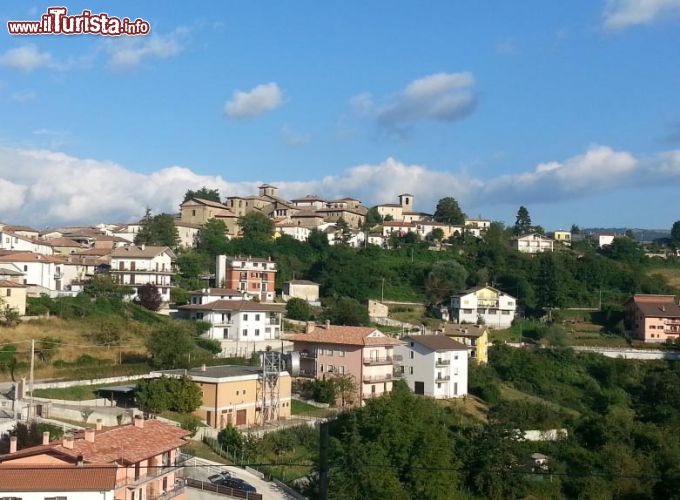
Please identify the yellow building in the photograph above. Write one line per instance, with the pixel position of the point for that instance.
(232, 394)
(13, 295)
(199, 211)
(563, 237)
(474, 336)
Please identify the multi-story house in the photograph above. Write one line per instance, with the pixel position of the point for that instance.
(396, 210)
(424, 229)
(41, 273)
(256, 278)
(532, 243)
(475, 337)
(653, 318)
(234, 395)
(363, 353)
(561, 236)
(309, 202)
(299, 232)
(21, 243)
(71, 482)
(477, 227)
(484, 305)
(139, 265)
(399, 228)
(434, 365)
(187, 233)
(145, 456)
(199, 211)
(13, 296)
(241, 326)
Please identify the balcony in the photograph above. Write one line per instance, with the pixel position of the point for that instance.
(443, 378)
(378, 361)
(308, 354)
(374, 379)
(442, 362)
(177, 489)
(307, 373)
(153, 473)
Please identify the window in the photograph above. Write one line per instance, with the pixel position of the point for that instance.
(321, 367)
(257, 332)
(199, 316)
(410, 354)
(193, 213)
(245, 332)
(245, 317)
(9, 292)
(225, 333)
(439, 385)
(257, 317)
(237, 392)
(25, 268)
(410, 370)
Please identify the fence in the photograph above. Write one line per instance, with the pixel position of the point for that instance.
(222, 490)
(95, 381)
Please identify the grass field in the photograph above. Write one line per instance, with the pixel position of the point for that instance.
(300, 408)
(75, 393)
(512, 394)
(672, 275)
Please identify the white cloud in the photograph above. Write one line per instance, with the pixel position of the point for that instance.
(260, 99)
(619, 14)
(81, 190)
(27, 58)
(127, 53)
(295, 138)
(23, 96)
(441, 97)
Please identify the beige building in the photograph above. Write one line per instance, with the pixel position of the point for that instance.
(187, 233)
(13, 295)
(653, 318)
(199, 211)
(234, 395)
(301, 289)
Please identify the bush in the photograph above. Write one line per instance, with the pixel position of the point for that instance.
(298, 309)
(211, 345)
(189, 422)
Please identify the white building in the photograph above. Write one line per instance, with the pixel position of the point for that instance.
(138, 265)
(41, 273)
(605, 239)
(301, 289)
(21, 243)
(477, 227)
(300, 233)
(241, 326)
(434, 365)
(485, 304)
(533, 243)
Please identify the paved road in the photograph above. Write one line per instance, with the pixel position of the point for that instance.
(269, 491)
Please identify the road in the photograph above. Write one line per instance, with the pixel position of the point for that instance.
(207, 468)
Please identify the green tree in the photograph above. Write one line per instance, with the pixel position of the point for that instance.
(298, 309)
(212, 237)
(575, 229)
(149, 297)
(373, 217)
(185, 395)
(105, 286)
(230, 438)
(343, 230)
(549, 282)
(437, 234)
(152, 395)
(170, 346)
(446, 278)
(256, 226)
(8, 359)
(318, 240)
(522, 221)
(346, 311)
(346, 389)
(448, 211)
(29, 435)
(675, 232)
(157, 230)
(204, 193)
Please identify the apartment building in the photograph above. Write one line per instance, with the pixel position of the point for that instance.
(20, 242)
(653, 318)
(233, 395)
(363, 353)
(483, 304)
(41, 273)
(533, 243)
(256, 278)
(434, 365)
(139, 265)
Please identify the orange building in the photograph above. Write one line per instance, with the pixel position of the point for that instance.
(653, 318)
(256, 278)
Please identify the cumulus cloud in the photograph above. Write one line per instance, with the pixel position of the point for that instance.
(127, 53)
(260, 99)
(441, 97)
(620, 14)
(27, 58)
(79, 190)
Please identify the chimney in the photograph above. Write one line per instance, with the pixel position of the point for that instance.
(46, 437)
(203, 367)
(309, 327)
(13, 444)
(139, 421)
(98, 425)
(328, 324)
(67, 442)
(89, 435)
(80, 461)
(143, 246)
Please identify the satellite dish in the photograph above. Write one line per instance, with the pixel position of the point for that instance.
(291, 361)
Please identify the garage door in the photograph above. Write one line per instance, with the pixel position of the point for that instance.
(240, 417)
(419, 387)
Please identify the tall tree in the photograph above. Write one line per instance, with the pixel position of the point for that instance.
(373, 217)
(550, 282)
(212, 237)
(522, 221)
(256, 226)
(157, 230)
(149, 297)
(344, 232)
(203, 193)
(448, 211)
(170, 346)
(346, 311)
(445, 278)
(575, 229)
(675, 232)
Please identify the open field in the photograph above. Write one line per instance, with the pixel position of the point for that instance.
(672, 275)
(470, 405)
(75, 393)
(300, 408)
(510, 393)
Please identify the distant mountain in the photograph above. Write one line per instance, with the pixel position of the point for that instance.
(640, 234)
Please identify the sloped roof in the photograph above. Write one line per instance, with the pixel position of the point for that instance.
(437, 343)
(30, 257)
(139, 252)
(57, 478)
(216, 291)
(659, 309)
(11, 284)
(455, 330)
(302, 282)
(235, 305)
(347, 335)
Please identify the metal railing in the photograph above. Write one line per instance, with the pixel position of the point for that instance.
(369, 379)
(224, 490)
(385, 360)
(178, 489)
(443, 378)
(443, 362)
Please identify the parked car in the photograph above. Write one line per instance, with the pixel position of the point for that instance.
(218, 478)
(238, 484)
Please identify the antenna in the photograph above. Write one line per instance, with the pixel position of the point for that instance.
(268, 387)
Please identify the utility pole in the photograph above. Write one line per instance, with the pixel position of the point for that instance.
(30, 384)
(382, 291)
(323, 461)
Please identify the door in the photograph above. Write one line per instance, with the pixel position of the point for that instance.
(419, 387)
(240, 417)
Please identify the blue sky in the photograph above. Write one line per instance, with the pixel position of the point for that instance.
(570, 108)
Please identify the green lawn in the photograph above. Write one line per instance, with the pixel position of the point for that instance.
(75, 393)
(300, 408)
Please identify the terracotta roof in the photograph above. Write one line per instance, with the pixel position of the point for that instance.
(179, 223)
(18, 227)
(659, 309)
(10, 272)
(30, 257)
(347, 335)
(305, 213)
(235, 305)
(395, 205)
(98, 252)
(437, 342)
(464, 330)
(63, 242)
(10, 284)
(216, 291)
(121, 444)
(135, 251)
(396, 223)
(309, 197)
(57, 478)
(209, 203)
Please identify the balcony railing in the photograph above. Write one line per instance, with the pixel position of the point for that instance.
(386, 360)
(308, 354)
(178, 489)
(443, 362)
(372, 379)
(443, 378)
(154, 472)
(307, 373)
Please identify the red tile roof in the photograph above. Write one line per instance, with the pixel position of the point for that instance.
(10, 284)
(56, 478)
(348, 335)
(30, 257)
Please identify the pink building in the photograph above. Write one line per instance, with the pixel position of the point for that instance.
(363, 353)
(144, 455)
(653, 318)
